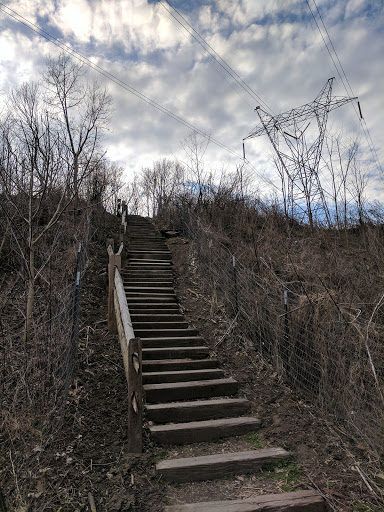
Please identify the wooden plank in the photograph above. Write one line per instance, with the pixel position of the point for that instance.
(181, 376)
(113, 263)
(147, 299)
(147, 273)
(123, 305)
(173, 392)
(150, 255)
(160, 325)
(176, 353)
(176, 341)
(135, 396)
(198, 410)
(151, 282)
(165, 333)
(150, 289)
(157, 317)
(209, 467)
(154, 309)
(149, 262)
(201, 431)
(122, 339)
(152, 297)
(178, 364)
(299, 501)
(147, 251)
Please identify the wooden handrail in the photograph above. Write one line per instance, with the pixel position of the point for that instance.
(114, 262)
(121, 299)
(130, 348)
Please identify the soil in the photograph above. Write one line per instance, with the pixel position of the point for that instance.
(88, 460)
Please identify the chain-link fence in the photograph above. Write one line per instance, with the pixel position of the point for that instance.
(316, 344)
(35, 379)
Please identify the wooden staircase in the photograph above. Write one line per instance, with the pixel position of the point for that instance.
(188, 397)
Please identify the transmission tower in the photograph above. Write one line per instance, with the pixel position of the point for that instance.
(297, 156)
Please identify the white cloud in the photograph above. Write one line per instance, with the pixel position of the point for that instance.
(273, 47)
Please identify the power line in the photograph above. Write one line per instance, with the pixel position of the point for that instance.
(180, 28)
(362, 120)
(208, 48)
(41, 32)
(112, 77)
(341, 72)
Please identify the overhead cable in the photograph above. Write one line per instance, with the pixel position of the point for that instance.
(208, 48)
(41, 32)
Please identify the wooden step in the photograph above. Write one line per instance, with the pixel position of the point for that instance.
(299, 501)
(160, 326)
(164, 333)
(148, 284)
(166, 274)
(151, 272)
(176, 341)
(148, 281)
(173, 392)
(150, 290)
(152, 307)
(202, 431)
(182, 376)
(153, 297)
(209, 467)
(164, 365)
(140, 246)
(149, 256)
(161, 317)
(155, 310)
(148, 261)
(147, 251)
(146, 267)
(198, 410)
(175, 352)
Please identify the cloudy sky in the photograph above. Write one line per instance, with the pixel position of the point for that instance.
(273, 45)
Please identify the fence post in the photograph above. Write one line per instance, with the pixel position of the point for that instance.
(235, 281)
(284, 352)
(114, 261)
(135, 396)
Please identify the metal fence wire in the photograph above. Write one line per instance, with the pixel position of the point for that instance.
(36, 381)
(312, 343)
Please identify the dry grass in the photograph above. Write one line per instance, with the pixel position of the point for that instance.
(328, 341)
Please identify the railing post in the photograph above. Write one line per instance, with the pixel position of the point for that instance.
(123, 225)
(135, 396)
(114, 261)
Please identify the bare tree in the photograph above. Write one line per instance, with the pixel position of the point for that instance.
(84, 109)
(30, 173)
(358, 183)
(340, 162)
(160, 183)
(49, 147)
(195, 147)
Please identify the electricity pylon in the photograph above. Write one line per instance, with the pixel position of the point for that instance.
(297, 159)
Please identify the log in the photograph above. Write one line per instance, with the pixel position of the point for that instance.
(201, 431)
(209, 467)
(300, 501)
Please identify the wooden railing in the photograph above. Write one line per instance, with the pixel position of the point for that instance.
(119, 321)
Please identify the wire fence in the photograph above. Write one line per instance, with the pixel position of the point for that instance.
(35, 380)
(319, 346)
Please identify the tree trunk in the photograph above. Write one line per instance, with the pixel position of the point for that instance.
(31, 295)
